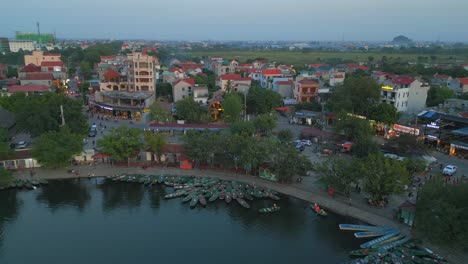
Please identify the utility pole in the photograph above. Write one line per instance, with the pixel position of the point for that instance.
(245, 106)
(62, 115)
(39, 34)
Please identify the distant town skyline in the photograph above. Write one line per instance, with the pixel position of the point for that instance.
(306, 20)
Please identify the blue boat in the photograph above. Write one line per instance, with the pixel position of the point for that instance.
(369, 234)
(388, 235)
(394, 244)
(363, 227)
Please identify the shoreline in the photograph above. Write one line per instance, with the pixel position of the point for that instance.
(310, 196)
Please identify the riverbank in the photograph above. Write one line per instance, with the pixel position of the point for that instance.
(296, 190)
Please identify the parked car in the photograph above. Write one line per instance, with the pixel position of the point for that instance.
(393, 156)
(449, 170)
(92, 133)
(306, 142)
(21, 145)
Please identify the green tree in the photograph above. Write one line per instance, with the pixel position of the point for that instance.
(356, 95)
(232, 106)
(382, 176)
(189, 110)
(155, 142)
(12, 72)
(437, 95)
(85, 70)
(163, 90)
(262, 101)
(312, 106)
(363, 146)
(121, 143)
(385, 113)
(54, 149)
(405, 144)
(288, 162)
(5, 150)
(264, 123)
(285, 135)
(352, 127)
(338, 173)
(159, 114)
(245, 128)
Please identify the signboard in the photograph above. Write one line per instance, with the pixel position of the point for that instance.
(406, 129)
(433, 125)
(146, 110)
(387, 87)
(458, 146)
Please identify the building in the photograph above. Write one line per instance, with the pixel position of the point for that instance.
(267, 76)
(441, 80)
(306, 91)
(405, 93)
(43, 38)
(459, 85)
(182, 89)
(233, 82)
(4, 45)
(28, 89)
(40, 78)
(284, 87)
(143, 72)
(38, 57)
(17, 45)
(336, 79)
(200, 94)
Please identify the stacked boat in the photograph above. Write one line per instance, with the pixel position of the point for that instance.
(201, 190)
(389, 246)
(28, 183)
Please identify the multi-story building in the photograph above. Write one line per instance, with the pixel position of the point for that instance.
(4, 46)
(43, 38)
(37, 57)
(200, 94)
(405, 93)
(458, 85)
(143, 72)
(306, 91)
(233, 82)
(182, 89)
(267, 76)
(25, 45)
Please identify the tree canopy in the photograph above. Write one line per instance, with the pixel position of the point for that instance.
(437, 95)
(232, 106)
(385, 113)
(352, 127)
(356, 95)
(264, 123)
(189, 110)
(54, 149)
(262, 101)
(155, 142)
(121, 143)
(158, 113)
(338, 173)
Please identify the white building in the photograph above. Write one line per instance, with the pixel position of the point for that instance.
(25, 45)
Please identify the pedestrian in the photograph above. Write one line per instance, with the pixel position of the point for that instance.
(441, 166)
(105, 126)
(94, 142)
(349, 201)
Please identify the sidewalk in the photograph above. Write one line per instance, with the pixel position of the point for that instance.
(306, 190)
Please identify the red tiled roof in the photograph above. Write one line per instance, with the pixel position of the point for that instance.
(284, 82)
(172, 148)
(463, 81)
(442, 76)
(187, 80)
(107, 57)
(403, 80)
(11, 82)
(28, 88)
(101, 156)
(39, 76)
(32, 68)
(110, 74)
(338, 76)
(316, 65)
(234, 77)
(271, 72)
(463, 114)
(307, 81)
(175, 69)
(51, 63)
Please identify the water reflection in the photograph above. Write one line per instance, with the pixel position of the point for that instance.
(118, 194)
(8, 210)
(59, 193)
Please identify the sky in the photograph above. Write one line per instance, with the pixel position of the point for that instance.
(349, 20)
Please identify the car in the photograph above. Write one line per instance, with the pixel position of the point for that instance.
(306, 142)
(92, 133)
(393, 156)
(21, 145)
(449, 170)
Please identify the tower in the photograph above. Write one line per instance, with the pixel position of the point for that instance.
(39, 34)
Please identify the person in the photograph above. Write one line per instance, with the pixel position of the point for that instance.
(94, 142)
(316, 207)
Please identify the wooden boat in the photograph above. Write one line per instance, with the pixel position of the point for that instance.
(228, 197)
(362, 252)
(243, 203)
(188, 198)
(28, 186)
(321, 212)
(234, 195)
(173, 195)
(269, 209)
(394, 244)
(202, 200)
(34, 182)
(413, 252)
(380, 239)
(362, 227)
(369, 234)
(222, 195)
(194, 201)
(400, 236)
(272, 196)
(214, 196)
(43, 181)
(248, 196)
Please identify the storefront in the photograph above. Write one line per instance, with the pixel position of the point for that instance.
(459, 149)
(121, 105)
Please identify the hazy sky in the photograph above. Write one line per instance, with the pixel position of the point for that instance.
(370, 20)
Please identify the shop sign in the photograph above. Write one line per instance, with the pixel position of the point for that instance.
(146, 110)
(107, 108)
(433, 125)
(387, 87)
(431, 137)
(406, 129)
(458, 146)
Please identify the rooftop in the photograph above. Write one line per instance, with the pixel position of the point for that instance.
(28, 88)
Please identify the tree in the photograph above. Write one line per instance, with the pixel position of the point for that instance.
(85, 70)
(385, 113)
(121, 143)
(285, 135)
(264, 123)
(262, 101)
(155, 142)
(71, 71)
(382, 176)
(356, 95)
(189, 110)
(437, 95)
(5, 150)
(12, 72)
(244, 128)
(288, 162)
(163, 89)
(312, 106)
(352, 127)
(232, 106)
(338, 173)
(159, 114)
(405, 144)
(363, 146)
(54, 149)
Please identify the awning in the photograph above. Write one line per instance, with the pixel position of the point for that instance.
(283, 109)
(459, 145)
(461, 131)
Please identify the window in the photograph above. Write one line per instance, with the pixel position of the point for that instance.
(397, 104)
(398, 95)
(183, 89)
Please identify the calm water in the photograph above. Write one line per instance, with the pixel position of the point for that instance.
(89, 221)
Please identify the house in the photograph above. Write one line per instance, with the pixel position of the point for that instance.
(28, 89)
(254, 74)
(200, 94)
(441, 80)
(21, 159)
(41, 78)
(37, 57)
(459, 85)
(284, 87)
(267, 75)
(337, 78)
(306, 91)
(182, 89)
(225, 67)
(233, 82)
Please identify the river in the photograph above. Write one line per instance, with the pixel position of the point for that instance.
(94, 221)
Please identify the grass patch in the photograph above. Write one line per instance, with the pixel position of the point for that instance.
(6, 177)
(298, 57)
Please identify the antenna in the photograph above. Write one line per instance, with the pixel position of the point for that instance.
(39, 34)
